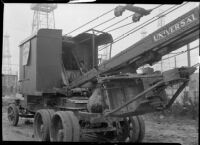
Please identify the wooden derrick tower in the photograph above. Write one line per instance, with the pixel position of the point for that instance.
(6, 64)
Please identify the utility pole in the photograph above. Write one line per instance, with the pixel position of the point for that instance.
(188, 55)
(6, 65)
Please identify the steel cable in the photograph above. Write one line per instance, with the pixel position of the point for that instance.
(123, 20)
(140, 26)
(115, 23)
(97, 26)
(89, 22)
(152, 21)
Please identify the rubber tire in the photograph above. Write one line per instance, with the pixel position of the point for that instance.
(16, 114)
(136, 130)
(46, 119)
(142, 128)
(75, 126)
(66, 124)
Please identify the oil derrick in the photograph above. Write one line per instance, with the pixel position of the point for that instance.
(6, 64)
(43, 16)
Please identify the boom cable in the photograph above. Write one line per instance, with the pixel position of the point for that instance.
(90, 21)
(133, 30)
(123, 20)
(115, 23)
(103, 22)
(157, 17)
(97, 26)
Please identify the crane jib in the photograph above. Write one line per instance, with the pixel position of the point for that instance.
(179, 25)
(175, 34)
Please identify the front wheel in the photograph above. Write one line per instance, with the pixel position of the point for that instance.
(13, 114)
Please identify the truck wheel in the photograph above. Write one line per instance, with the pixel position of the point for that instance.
(42, 120)
(13, 114)
(142, 128)
(128, 130)
(75, 126)
(61, 127)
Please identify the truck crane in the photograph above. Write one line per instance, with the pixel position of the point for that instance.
(72, 97)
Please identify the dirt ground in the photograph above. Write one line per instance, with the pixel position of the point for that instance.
(168, 130)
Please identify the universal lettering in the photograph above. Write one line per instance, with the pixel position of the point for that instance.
(166, 32)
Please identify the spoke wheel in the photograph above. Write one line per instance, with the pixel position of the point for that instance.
(128, 130)
(42, 120)
(65, 127)
(13, 114)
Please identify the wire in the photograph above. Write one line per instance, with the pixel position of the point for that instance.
(114, 23)
(103, 22)
(120, 27)
(97, 26)
(124, 19)
(156, 7)
(127, 33)
(196, 65)
(117, 22)
(90, 21)
(181, 52)
(130, 32)
(115, 40)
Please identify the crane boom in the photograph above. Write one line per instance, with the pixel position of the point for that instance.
(149, 50)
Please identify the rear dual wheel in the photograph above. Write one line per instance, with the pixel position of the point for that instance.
(65, 127)
(42, 120)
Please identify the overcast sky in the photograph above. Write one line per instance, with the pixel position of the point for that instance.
(18, 21)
